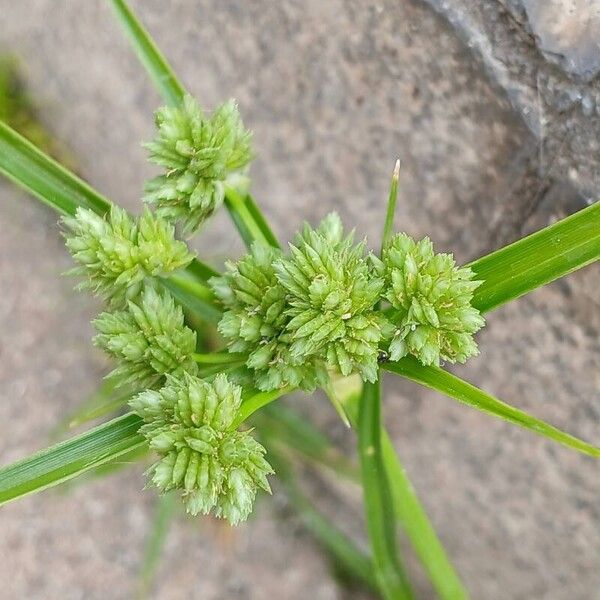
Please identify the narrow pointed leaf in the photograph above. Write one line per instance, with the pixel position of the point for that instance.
(419, 529)
(149, 55)
(538, 259)
(391, 208)
(70, 458)
(57, 187)
(409, 511)
(295, 432)
(346, 557)
(42, 176)
(245, 214)
(377, 498)
(454, 387)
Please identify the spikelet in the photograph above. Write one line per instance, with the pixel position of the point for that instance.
(188, 423)
(433, 316)
(149, 339)
(117, 254)
(331, 294)
(255, 321)
(198, 153)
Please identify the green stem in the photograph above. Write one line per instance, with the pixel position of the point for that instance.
(194, 287)
(261, 221)
(193, 295)
(418, 528)
(242, 218)
(299, 435)
(256, 402)
(344, 553)
(378, 499)
(149, 55)
(217, 358)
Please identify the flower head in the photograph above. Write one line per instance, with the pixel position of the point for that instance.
(431, 298)
(255, 321)
(198, 153)
(331, 294)
(149, 339)
(117, 254)
(189, 424)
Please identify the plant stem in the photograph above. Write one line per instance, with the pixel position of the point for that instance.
(149, 55)
(378, 498)
(243, 220)
(195, 288)
(256, 402)
(344, 553)
(217, 358)
(193, 295)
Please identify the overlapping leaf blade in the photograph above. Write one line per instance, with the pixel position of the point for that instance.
(538, 259)
(458, 389)
(377, 498)
(149, 55)
(71, 458)
(46, 179)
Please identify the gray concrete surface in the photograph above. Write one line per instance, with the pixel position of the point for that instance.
(334, 91)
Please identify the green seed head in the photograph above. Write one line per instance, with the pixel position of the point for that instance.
(255, 321)
(149, 339)
(431, 298)
(198, 153)
(188, 424)
(331, 294)
(117, 254)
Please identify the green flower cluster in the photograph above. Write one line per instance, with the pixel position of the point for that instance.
(117, 254)
(198, 153)
(431, 300)
(149, 339)
(255, 321)
(331, 294)
(189, 423)
(299, 315)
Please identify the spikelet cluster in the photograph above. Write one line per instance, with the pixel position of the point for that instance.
(117, 254)
(300, 315)
(431, 297)
(255, 321)
(331, 294)
(198, 154)
(149, 340)
(189, 424)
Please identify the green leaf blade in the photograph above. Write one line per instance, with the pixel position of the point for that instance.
(149, 55)
(458, 389)
(342, 550)
(418, 528)
(70, 458)
(46, 179)
(377, 497)
(538, 259)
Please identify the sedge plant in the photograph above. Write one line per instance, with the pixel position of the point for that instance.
(327, 312)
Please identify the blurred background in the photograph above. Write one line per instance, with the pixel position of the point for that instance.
(494, 110)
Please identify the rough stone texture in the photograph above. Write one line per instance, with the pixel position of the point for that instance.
(561, 108)
(568, 33)
(334, 91)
